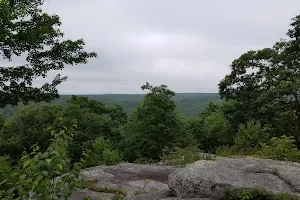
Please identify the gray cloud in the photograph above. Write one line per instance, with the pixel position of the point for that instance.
(187, 45)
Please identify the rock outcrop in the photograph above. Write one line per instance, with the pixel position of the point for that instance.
(202, 180)
(129, 178)
(209, 179)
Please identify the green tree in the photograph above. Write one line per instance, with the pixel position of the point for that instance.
(265, 84)
(26, 31)
(211, 129)
(28, 126)
(153, 125)
(94, 119)
(215, 132)
(90, 126)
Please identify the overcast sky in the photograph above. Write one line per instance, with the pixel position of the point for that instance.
(185, 44)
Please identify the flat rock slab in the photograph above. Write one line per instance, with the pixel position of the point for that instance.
(81, 194)
(162, 194)
(131, 178)
(209, 179)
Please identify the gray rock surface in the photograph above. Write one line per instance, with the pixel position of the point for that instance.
(130, 178)
(80, 194)
(162, 194)
(179, 198)
(209, 179)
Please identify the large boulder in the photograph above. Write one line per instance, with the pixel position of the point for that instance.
(209, 179)
(131, 179)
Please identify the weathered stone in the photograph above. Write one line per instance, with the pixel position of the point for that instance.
(179, 198)
(163, 194)
(130, 178)
(81, 194)
(209, 179)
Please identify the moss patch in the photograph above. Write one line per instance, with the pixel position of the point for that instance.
(91, 185)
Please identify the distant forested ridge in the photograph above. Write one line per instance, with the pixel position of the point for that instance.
(187, 104)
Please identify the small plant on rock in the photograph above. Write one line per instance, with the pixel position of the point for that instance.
(182, 156)
(256, 194)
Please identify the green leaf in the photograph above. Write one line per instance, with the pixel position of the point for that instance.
(84, 154)
(4, 181)
(74, 125)
(40, 177)
(36, 158)
(55, 152)
(45, 155)
(35, 184)
(48, 160)
(23, 157)
(22, 177)
(45, 173)
(26, 163)
(57, 172)
(60, 166)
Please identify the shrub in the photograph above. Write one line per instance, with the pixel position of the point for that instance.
(256, 194)
(182, 156)
(227, 151)
(251, 136)
(102, 153)
(47, 175)
(143, 160)
(282, 148)
(248, 141)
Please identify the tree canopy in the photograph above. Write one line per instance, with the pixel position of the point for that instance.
(266, 84)
(27, 32)
(153, 125)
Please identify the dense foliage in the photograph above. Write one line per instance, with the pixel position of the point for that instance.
(47, 175)
(265, 85)
(29, 33)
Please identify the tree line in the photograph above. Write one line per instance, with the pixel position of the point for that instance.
(187, 104)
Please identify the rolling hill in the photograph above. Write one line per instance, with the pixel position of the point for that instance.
(188, 104)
